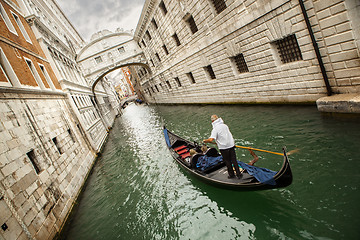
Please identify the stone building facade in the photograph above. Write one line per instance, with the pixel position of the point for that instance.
(52, 122)
(230, 51)
(61, 43)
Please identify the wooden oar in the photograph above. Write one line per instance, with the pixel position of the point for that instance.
(261, 150)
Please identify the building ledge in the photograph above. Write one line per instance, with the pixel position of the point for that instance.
(340, 103)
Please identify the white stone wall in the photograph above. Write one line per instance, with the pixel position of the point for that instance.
(106, 51)
(248, 27)
(36, 204)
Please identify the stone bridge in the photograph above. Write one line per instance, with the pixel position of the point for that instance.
(107, 52)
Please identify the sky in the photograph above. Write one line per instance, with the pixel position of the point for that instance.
(91, 16)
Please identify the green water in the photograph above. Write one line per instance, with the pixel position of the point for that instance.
(137, 191)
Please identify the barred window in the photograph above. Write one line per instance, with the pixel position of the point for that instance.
(191, 77)
(148, 35)
(288, 49)
(168, 83)
(158, 57)
(219, 5)
(191, 23)
(210, 72)
(240, 63)
(98, 60)
(165, 49)
(121, 49)
(163, 7)
(176, 39)
(154, 23)
(177, 80)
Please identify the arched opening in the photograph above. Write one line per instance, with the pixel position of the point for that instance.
(103, 74)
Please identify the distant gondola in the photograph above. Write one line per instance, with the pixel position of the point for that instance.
(217, 174)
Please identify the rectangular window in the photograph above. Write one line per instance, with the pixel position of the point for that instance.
(71, 135)
(152, 62)
(157, 89)
(7, 71)
(191, 23)
(239, 63)
(191, 77)
(55, 141)
(22, 29)
(176, 39)
(154, 23)
(32, 157)
(148, 35)
(121, 49)
(210, 72)
(6, 19)
(143, 43)
(163, 7)
(168, 83)
(98, 60)
(219, 5)
(47, 77)
(177, 80)
(165, 49)
(35, 73)
(288, 49)
(158, 57)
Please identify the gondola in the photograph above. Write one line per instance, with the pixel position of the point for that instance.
(216, 174)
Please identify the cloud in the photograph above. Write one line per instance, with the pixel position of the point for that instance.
(89, 17)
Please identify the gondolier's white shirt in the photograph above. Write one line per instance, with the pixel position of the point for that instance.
(222, 134)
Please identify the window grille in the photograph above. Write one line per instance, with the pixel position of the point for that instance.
(219, 5)
(210, 71)
(240, 63)
(191, 77)
(98, 60)
(121, 49)
(176, 39)
(177, 80)
(154, 23)
(163, 7)
(288, 49)
(191, 22)
(168, 83)
(165, 49)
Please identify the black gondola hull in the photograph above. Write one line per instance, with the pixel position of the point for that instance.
(218, 176)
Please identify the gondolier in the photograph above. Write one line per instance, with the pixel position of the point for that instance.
(226, 144)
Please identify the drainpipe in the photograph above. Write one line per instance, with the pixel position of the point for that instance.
(316, 47)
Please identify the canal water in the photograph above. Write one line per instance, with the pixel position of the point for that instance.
(137, 191)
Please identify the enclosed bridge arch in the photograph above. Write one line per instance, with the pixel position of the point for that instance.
(107, 52)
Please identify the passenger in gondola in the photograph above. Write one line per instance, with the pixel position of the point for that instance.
(226, 144)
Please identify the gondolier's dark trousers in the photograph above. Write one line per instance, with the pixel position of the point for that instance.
(229, 157)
